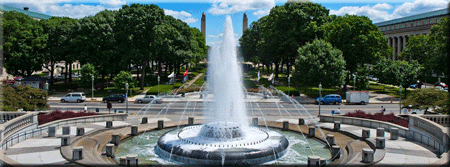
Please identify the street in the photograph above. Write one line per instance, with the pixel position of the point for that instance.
(179, 107)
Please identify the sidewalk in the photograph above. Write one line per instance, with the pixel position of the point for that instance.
(57, 97)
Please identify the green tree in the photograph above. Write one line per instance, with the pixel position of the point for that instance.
(122, 78)
(87, 71)
(360, 41)
(428, 98)
(23, 97)
(24, 43)
(318, 62)
(439, 39)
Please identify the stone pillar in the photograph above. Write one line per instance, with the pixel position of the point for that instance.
(132, 160)
(110, 150)
(337, 125)
(330, 140)
(51, 131)
(322, 161)
(255, 121)
(380, 142)
(65, 140)
(380, 132)
(244, 23)
(134, 130)
(313, 160)
(122, 161)
(66, 130)
(312, 132)
(301, 121)
(398, 45)
(109, 124)
(404, 42)
(203, 24)
(80, 131)
(144, 120)
(367, 155)
(77, 153)
(394, 133)
(160, 124)
(115, 138)
(285, 125)
(365, 133)
(191, 121)
(335, 152)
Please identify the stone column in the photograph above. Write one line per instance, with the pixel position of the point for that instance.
(313, 160)
(312, 132)
(301, 121)
(77, 153)
(394, 133)
(335, 152)
(115, 138)
(285, 125)
(144, 120)
(110, 150)
(132, 160)
(109, 124)
(160, 124)
(255, 122)
(330, 140)
(380, 142)
(134, 130)
(380, 132)
(365, 133)
(404, 41)
(367, 156)
(191, 121)
(337, 125)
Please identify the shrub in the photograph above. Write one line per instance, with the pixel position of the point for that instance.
(58, 114)
(379, 116)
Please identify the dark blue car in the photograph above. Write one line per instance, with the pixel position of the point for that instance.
(329, 99)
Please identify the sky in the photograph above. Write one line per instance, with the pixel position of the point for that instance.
(190, 11)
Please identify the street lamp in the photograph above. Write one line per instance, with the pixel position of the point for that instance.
(354, 82)
(289, 85)
(126, 94)
(92, 77)
(158, 85)
(320, 95)
(400, 104)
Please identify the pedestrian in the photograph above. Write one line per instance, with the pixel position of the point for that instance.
(109, 106)
(85, 108)
(383, 110)
(338, 111)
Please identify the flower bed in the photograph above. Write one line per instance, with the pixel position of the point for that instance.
(379, 116)
(58, 114)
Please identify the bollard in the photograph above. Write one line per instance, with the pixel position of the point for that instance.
(160, 124)
(312, 132)
(255, 121)
(394, 133)
(132, 160)
(380, 142)
(330, 140)
(335, 152)
(115, 138)
(301, 121)
(367, 156)
(134, 130)
(337, 125)
(122, 161)
(380, 132)
(313, 160)
(77, 153)
(285, 125)
(80, 131)
(109, 124)
(66, 130)
(144, 120)
(51, 131)
(191, 121)
(322, 161)
(365, 133)
(110, 150)
(65, 140)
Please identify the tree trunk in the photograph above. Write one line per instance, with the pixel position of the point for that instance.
(142, 78)
(137, 73)
(277, 66)
(70, 72)
(52, 73)
(347, 81)
(288, 70)
(65, 73)
(159, 68)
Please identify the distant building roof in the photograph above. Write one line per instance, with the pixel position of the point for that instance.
(29, 13)
(414, 17)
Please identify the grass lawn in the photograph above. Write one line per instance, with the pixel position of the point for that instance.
(389, 90)
(113, 90)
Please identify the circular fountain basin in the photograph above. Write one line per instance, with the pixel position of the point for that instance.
(221, 143)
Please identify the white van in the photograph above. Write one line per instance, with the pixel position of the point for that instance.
(74, 97)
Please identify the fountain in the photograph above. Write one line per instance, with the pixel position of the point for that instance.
(226, 138)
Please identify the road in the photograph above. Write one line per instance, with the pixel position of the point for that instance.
(267, 108)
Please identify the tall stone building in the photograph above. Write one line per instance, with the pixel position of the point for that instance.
(244, 23)
(398, 31)
(203, 26)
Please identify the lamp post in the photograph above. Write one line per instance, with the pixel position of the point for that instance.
(46, 86)
(158, 85)
(92, 77)
(320, 96)
(126, 95)
(289, 85)
(354, 82)
(400, 104)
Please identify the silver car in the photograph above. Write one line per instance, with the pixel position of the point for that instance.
(149, 98)
(74, 97)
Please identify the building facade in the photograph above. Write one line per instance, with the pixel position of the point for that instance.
(398, 31)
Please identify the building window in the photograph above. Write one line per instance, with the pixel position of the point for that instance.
(430, 21)
(437, 20)
(423, 22)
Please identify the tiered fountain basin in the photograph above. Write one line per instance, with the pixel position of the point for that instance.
(221, 143)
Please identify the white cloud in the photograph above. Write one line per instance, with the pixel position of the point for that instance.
(74, 11)
(113, 3)
(261, 7)
(380, 12)
(182, 15)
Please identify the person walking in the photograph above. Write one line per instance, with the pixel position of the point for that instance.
(85, 108)
(383, 110)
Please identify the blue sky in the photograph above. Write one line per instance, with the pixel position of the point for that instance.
(216, 10)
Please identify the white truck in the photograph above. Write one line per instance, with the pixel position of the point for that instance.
(357, 97)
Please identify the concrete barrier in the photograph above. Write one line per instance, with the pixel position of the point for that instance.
(285, 125)
(367, 155)
(160, 124)
(313, 160)
(109, 124)
(134, 130)
(110, 150)
(255, 121)
(380, 142)
(380, 132)
(337, 125)
(301, 121)
(144, 120)
(311, 132)
(77, 153)
(365, 133)
(191, 121)
(394, 133)
(132, 160)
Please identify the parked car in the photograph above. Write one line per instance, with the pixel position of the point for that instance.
(372, 78)
(410, 110)
(74, 97)
(148, 99)
(414, 86)
(442, 84)
(115, 97)
(329, 99)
